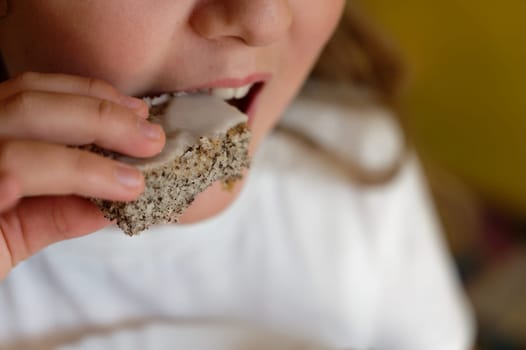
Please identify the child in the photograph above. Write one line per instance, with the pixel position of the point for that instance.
(295, 246)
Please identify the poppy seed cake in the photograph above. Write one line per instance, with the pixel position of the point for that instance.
(206, 141)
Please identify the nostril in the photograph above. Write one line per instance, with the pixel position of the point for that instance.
(254, 22)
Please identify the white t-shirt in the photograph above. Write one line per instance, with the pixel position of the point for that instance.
(302, 250)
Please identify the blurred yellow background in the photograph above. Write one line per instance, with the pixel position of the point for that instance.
(466, 99)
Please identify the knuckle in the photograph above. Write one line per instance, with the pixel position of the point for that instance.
(8, 151)
(90, 169)
(97, 86)
(11, 232)
(91, 85)
(61, 225)
(87, 164)
(105, 111)
(20, 103)
(81, 162)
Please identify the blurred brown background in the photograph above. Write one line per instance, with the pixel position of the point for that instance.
(465, 108)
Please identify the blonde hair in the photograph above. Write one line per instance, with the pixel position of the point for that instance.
(360, 54)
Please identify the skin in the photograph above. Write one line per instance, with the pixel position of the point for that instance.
(87, 67)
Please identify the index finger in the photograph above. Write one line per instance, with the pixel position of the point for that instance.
(71, 84)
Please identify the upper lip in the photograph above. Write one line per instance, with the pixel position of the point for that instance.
(231, 82)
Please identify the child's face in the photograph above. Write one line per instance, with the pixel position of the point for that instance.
(151, 46)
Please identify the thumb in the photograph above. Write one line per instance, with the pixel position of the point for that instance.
(38, 222)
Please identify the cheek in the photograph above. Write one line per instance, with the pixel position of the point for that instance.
(102, 43)
(314, 22)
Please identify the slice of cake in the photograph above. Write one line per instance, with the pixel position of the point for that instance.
(206, 141)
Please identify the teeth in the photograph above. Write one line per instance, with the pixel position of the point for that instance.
(159, 100)
(242, 91)
(231, 93)
(223, 93)
(156, 100)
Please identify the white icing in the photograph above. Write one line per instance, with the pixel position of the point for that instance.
(185, 120)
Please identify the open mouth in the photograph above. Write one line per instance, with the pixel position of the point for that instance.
(242, 97)
(244, 103)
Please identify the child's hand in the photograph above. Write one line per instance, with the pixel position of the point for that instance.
(41, 178)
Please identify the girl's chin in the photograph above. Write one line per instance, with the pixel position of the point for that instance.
(215, 199)
(211, 202)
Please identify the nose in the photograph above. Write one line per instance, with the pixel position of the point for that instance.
(254, 22)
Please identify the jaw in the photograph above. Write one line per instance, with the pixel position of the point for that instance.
(212, 201)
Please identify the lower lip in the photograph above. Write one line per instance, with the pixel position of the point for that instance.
(251, 110)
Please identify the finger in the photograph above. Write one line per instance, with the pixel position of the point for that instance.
(78, 120)
(10, 191)
(39, 222)
(71, 84)
(49, 169)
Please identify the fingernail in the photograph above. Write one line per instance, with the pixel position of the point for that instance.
(150, 130)
(128, 176)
